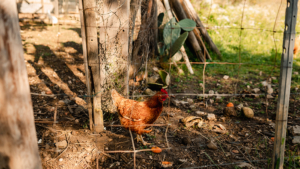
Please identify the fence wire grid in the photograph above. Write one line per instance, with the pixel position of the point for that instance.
(216, 28)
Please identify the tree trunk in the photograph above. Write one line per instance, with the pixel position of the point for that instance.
(113, 48)
(146, 42)
(176, 6)
(202, 29)
(18, 141)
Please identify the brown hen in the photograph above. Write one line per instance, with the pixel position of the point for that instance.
(136, 115)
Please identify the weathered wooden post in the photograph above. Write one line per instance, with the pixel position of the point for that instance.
(89, 11)
(56, 8)
(18, 140)
(86, 65)
(285, 84)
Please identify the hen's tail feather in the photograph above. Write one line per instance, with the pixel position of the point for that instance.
(116, 97)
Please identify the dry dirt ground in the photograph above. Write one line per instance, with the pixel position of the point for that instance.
(53, 55)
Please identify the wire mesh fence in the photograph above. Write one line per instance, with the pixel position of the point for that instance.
(249, 37)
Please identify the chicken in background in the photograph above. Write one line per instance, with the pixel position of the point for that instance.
(297, 46)
(136, 115)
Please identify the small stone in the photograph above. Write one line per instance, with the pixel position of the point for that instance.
(61, 103)
(274, 78)
(155, 69)
(225, 77)
(43, 92)
(264, 83)
(248, 112)
(229, 111)
(270, 89)
(239, 107)
(193, 107)
(175, 102)
(212, 145)
(211, 92)
(248, 86)
(269, 96)
(190, 101)
(211, 117)
(61, 144)
(70, 82)
(201, 113)
(211, 101)
(171, 114)
(256, 90)
(201, 85)
(60, 160)
(295, 130)
(218, 84)
(148, 92)
(296, 73)
(296, 140)
(76, 120)
(223, 119)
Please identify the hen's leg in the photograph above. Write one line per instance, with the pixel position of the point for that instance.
(140, 138)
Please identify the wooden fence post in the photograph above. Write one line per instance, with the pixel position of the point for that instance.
(89, 8)
(285, 84)
(86, 65)
(18, 140)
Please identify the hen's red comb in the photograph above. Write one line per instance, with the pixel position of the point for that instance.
(164, 91)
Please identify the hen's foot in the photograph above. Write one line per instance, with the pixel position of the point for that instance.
(140, 139)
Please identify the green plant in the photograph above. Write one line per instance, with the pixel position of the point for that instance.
(172, 40)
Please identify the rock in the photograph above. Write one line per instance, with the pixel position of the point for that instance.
(256, 90)
(296, 73)
(61, 159)
(295, 130)
(264, 83)
(248, 112)
(61, 103)
(171, 114)
(218, 98)
(218, 84)
(61, 144)
(212, 145)
(225, 77)
(270, 89)
(211, 117)
(193, 107)
(239, 107)
(296, 140)
(223, 119)
(43, 92)
(229, 111)
(149, 92)
(70, 82)
(211, 101)
(190, 101)
(248, 86)
(201, 113)
(201, 85)
(211, 92)
(155, 69)
(175, 102)
(269, 96)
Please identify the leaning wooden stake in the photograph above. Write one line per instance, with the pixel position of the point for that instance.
(285, 84)
(93, 59)
(202, 29)
(182, 50)
(176, 6)
(196, 31)
(18, 140)
(86, 66)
